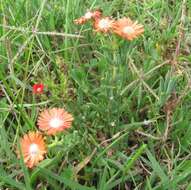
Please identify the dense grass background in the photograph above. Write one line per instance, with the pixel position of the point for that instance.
(130, 100)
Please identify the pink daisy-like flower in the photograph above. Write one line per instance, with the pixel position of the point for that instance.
(54, 120)
(33, 148)
(103, 24)
(88, 16)
(127, 29)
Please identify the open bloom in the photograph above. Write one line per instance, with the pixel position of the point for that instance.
(127, 29)
(103, 24)
(54, 120)
(32, 148)
(88, 16)
(38, 88)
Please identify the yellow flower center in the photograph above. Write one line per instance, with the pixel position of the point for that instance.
(128, 30)
(55, 122)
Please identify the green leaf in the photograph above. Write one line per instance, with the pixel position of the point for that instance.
(67, 182)
(4, 177)
(157, 168)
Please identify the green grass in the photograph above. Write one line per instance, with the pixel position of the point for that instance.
(130, 100)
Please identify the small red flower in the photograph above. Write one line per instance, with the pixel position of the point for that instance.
(38, 88)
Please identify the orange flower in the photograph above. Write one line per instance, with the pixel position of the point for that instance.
(32, 148)
(127, 29)
(88, 16)
(80, 20)
(97, 14)
(54, 120)
(103, 24)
